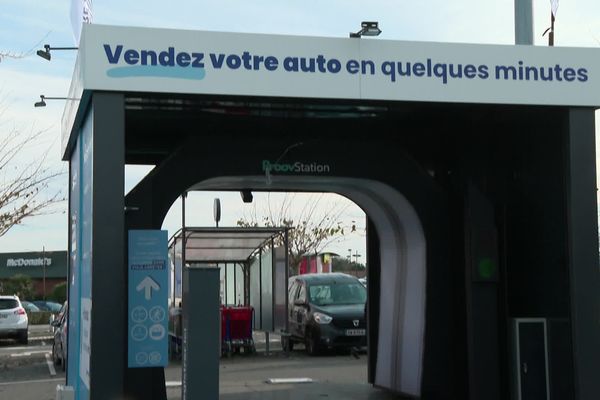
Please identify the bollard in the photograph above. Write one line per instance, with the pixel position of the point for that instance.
(267, 342)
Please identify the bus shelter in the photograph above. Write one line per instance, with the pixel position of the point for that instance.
(251, 273)
(252, 264)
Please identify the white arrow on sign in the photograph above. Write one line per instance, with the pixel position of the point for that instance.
(147, 284)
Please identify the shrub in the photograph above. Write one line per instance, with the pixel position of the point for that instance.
(59, 293)
(19, 284)
(39, 317)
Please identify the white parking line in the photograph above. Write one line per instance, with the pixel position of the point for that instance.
(288, 380)
(50, 365)
(29, 353)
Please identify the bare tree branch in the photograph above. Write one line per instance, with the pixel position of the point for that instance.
(313, 227)
(25, 186)
(4, 54)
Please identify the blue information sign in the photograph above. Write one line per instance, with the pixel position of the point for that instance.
(148, 296)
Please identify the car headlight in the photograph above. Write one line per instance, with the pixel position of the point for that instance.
(321, 318)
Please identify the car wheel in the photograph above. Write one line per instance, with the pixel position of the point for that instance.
(286, 344)
(312, 344)
(61, 356)
(55, 359)
(63, 361)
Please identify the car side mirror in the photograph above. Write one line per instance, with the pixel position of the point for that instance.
(299, 302)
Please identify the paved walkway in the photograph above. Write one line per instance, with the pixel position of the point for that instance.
(40, 332)
(245, 377)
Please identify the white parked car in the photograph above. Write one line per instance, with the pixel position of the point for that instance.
(13, 319)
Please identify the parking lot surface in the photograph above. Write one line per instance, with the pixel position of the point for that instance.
(334, 377)
(27, 374)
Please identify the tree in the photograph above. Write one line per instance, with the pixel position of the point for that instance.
(341, 264)
(312, 225)
(4, 54)
(7, 54)
(25, 186)
(59, 293)
(19, 284)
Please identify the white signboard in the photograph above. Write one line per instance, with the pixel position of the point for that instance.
(85, 345)
(175, 61)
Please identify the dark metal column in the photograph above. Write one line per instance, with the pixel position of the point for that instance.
(583, 252)
(201, 334)
(481, 283)
(109, 294)
(373, 292)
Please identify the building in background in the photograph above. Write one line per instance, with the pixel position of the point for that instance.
(46, 269)
(316, 263)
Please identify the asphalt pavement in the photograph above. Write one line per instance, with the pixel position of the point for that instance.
(40, 332)
(27, 373)
(247, 377)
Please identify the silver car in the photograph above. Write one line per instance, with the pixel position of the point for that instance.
(13, 319)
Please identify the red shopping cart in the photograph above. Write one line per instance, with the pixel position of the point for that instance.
(236, 330)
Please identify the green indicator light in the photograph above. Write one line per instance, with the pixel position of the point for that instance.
(487, 268)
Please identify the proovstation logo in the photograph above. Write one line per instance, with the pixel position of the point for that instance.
(143, 63)
(295, 167)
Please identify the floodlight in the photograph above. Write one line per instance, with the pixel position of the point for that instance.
(45, 54)
(246, 195)
(42, 102)
(368, 28)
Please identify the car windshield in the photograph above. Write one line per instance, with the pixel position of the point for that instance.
(7, 304)
(47, 305)
(337, 293)
(30, 306)
(54, 307)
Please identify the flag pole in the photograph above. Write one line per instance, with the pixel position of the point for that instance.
(524, 22)
(551, 33)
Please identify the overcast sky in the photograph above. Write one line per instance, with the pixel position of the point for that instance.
(25, 25)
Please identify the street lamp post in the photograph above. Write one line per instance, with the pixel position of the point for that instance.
(44, 270)
(356, 255)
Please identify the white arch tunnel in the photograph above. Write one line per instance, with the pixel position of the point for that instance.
(403, 266)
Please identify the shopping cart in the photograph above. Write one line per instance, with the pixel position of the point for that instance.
(236, 330)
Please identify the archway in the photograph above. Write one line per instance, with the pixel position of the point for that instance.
(402, 251)
(399, 359)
